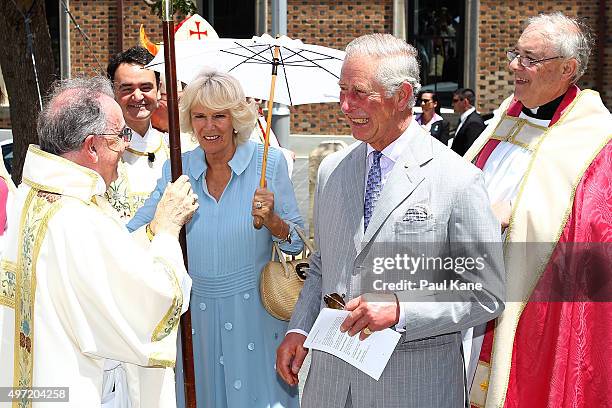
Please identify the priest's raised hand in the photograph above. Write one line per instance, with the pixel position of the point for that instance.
(176, 207)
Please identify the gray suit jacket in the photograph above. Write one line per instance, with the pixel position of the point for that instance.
(426, 369)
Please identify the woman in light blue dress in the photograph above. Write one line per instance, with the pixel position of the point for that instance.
(234, 338)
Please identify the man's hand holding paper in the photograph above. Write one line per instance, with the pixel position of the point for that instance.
(370, 312)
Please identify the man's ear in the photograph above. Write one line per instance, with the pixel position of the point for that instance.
(570, 67)
(89, 149)
(404, 94)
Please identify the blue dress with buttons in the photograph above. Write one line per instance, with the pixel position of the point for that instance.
(234, 338)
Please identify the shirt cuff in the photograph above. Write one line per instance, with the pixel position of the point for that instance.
(140, 236)
(400, 327)
(297, 331)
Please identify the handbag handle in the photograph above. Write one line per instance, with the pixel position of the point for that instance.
(276, 251)
(281, 258)
(307, 243)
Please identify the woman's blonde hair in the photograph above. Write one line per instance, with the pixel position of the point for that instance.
(218, 91)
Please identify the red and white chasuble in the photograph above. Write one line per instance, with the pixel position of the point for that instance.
(546, 351)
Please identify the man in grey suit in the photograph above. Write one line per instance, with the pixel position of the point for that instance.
(397, 186)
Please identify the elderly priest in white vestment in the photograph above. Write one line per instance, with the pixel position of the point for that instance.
(76, 288)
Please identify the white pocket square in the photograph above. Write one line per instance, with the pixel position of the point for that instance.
(417, 213)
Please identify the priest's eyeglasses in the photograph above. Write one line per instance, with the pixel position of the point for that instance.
(334, 301)
(125, 134)
(527, 62)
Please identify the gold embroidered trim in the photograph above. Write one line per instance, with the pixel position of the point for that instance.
(511, 134)
(89, 173)
(8, 265)
(7, 301)
(39, 207)
(570, 107)
(121, 197)
(519, 194)
(171, 320)
(8, 279)
(160, 362)
(36, 186)
(480, 386)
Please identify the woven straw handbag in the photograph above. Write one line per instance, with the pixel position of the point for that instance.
(282, 280)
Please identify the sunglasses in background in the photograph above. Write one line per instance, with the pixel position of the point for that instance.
(334, 301)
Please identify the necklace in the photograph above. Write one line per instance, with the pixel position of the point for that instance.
(150, 155)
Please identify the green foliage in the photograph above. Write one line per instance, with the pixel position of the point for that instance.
(182, 7)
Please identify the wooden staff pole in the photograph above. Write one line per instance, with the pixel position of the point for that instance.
(257, 220)
(176, 167)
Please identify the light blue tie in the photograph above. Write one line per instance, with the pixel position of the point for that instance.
(373, 189)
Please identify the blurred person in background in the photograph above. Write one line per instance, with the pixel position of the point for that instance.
(470, 124)
(430, 118)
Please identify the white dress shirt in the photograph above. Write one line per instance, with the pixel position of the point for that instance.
(463, 117)
(390, 155)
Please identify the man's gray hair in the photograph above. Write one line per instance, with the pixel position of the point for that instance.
(570, 38)
(398, 61)
(72, 111)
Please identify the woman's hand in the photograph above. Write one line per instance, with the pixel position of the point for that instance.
(263, 205)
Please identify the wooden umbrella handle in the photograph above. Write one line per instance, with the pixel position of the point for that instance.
(257, 220)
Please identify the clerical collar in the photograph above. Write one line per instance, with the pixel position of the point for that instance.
(544, 112)
(145, 142)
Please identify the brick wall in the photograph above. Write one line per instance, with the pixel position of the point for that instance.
(332, 24)
(98, 18)
(500, 25)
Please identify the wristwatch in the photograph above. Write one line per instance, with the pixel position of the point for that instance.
(287, 239)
